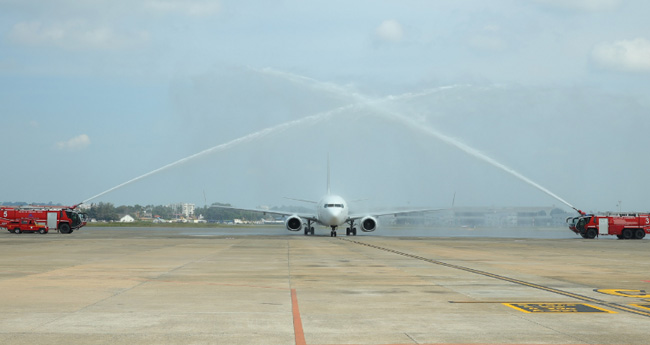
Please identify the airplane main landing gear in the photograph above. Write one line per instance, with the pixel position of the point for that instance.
(309, 229)
(351, 230)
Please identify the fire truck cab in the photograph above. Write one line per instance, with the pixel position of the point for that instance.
(625, 226)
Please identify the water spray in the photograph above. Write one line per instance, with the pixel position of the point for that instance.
(245, 139)
(360, 100)
(309, 120)
(374, 104)
(477, 154)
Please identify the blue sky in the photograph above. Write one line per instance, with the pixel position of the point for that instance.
(95, 93)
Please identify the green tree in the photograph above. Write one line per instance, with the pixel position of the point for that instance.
(103, 211)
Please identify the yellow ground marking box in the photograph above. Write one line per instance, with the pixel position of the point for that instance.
(557, 308)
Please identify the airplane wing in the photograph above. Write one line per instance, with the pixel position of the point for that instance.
(306, 216)
(390, 213)
(302, 200)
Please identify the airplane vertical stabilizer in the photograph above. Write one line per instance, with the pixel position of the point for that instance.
(328, 174)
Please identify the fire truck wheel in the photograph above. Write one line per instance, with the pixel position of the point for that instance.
(591, 233)
(17, 231)
(639, 234)
(64, 228)
(41, 231)
(627, 234)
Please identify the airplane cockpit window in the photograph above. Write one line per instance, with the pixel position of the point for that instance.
(334, 205)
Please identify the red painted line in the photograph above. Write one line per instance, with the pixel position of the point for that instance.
(297, 321)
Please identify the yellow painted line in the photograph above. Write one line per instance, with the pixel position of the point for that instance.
(624, 293)
(516, 308)
(642, 306)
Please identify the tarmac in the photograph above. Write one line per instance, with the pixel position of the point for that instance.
(266, 285)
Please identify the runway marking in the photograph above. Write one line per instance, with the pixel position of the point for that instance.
(642, 306)
(507, 279)
(297, 321)
(571, 308)
(624, 293)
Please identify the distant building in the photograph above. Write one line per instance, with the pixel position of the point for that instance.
(127, 219)
(185, 209)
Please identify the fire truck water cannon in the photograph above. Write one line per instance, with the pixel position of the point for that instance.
(625, 226)
(61, 218)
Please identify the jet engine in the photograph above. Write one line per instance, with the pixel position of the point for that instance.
(293, 223)
(368, 224)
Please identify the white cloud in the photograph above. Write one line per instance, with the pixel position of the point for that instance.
(390, 30)
(626, 55)
(77, 143)
(73, 35)
(582, 5)
(191, 8)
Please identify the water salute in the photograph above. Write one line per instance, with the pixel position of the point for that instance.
(322, 173)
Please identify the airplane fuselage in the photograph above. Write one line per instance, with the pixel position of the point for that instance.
(332, 211)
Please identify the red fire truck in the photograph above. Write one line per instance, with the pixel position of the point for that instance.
(625, 226)
(64, 219)
(25, 225)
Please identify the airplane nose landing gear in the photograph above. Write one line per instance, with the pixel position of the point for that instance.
(333, 233)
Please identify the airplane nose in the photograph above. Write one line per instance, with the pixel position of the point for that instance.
(335, 217)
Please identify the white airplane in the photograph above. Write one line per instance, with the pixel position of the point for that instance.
(331, 211)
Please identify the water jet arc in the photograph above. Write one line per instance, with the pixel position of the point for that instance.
(425, 128)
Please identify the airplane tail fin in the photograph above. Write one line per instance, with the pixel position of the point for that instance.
(328, 174)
